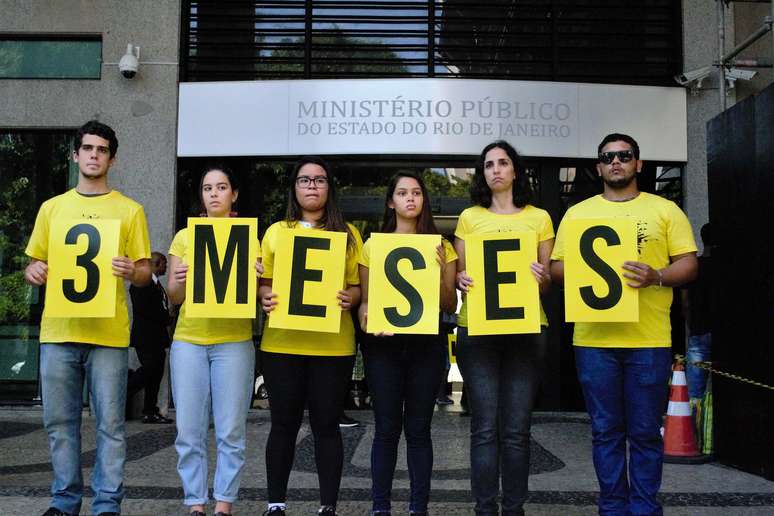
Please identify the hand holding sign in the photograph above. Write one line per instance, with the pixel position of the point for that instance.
(345, 299)
(123, 267)
(641, 274)
(181, 273)
(36, 273)
(464, 282)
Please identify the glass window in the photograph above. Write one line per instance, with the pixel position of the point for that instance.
(50, 58)
(35, 167)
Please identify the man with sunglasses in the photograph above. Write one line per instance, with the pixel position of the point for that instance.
(624, 368)
(74, 350)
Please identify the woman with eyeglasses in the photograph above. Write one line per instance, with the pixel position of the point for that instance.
(403, 371)
(307, 367)
(502, 373)
(212, 366)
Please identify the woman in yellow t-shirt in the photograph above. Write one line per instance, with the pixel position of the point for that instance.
(404, 371)
(502, 372)
(307, 367)
(212, 367)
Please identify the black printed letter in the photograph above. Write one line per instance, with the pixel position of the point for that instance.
(494, 278)
(84, 260)
(300, 274)
(600, 267)
(416, 306)
(238, 244)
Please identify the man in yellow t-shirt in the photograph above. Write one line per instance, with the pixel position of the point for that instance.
(624, 368)
(94, 349)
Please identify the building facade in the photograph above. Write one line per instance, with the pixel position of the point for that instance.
(58, 68)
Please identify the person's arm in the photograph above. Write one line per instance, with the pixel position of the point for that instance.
(349, 297)
(362, 311)
(176, 280)
(683, 269)
(557, 271)
(541, 268)
(137, 273)
(36, 272)
(463, 281)
(448, 295)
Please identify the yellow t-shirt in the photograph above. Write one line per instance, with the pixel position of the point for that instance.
(205, 331)
(299, 342)
(365, 254)
(478, 219)
(663, 230)
(133, 243)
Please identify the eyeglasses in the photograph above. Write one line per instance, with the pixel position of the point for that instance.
(306, 181)
(624, 156)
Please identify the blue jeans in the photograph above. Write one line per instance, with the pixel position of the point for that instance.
(63, 369)
(626, 392)
(699, 350)
(502, 375)
(403, 374)
(215, 379)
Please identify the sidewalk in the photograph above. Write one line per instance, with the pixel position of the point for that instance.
(562, 480)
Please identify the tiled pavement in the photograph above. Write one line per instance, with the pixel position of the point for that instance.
(562, 480)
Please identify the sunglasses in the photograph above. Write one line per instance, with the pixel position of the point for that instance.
(624, 156)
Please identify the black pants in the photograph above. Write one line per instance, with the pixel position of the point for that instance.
(152, 360)
(293, 381)
(403, 375)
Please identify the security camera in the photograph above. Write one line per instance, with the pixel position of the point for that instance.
(693, 77)
(738, 73)
(130, 62)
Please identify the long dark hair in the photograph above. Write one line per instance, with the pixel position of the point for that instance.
(425, 222)
(480, 193)
(232, 180)
(332, 219)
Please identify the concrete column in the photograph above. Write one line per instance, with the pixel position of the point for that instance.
(700, 48)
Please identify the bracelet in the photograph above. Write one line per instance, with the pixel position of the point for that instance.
(660, 278)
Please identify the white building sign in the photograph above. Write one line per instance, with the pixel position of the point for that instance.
(426, 116)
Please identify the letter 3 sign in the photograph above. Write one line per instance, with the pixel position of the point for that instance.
(80, 278)
(594, 287)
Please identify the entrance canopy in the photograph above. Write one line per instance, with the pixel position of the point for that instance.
(426, 116)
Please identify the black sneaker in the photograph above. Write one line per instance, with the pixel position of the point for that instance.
(274, 511)
(108, 514)
(327, 510)
(347, 422)
(53, 511)
(445, 400)
(156, 419)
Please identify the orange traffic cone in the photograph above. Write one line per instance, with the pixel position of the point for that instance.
(679, 440)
